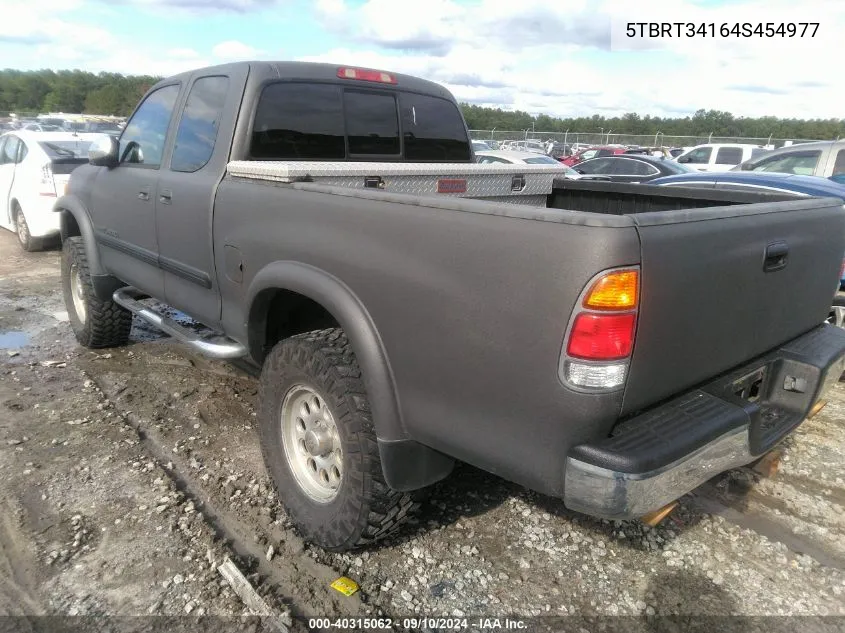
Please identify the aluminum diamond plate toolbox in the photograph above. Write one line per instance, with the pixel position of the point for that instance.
(519, 184)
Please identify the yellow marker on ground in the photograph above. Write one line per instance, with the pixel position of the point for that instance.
(345, 585)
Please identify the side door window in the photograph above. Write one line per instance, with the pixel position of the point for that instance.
(142, 142)
(10, 151)
(802, 163)
(596, 166)
(633, 167)
(699, 156)
(199, 124)
(729, 156)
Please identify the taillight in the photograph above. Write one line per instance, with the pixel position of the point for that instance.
(362, 74)
(600, 337)
(842, 270)
(46, 186)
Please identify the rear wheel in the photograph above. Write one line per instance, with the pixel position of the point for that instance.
(320, 446)
(95, 323)
(27, 242)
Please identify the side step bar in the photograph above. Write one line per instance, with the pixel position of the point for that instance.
(128, 297)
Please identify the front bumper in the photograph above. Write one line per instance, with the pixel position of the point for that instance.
(664, 453)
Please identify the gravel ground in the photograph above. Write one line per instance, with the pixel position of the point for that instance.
(131, 473)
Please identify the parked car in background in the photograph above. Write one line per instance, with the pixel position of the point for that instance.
(631, 167)
(825, 159)
(480, 146)
(42, 127)
(522, 158)
(592, 152)
(758, 182)
(526, 146)
(34, 169)
(718, 156)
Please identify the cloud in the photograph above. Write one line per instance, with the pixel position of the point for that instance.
(236, 6)
(436, 27)
(231, 50)
(571, 58)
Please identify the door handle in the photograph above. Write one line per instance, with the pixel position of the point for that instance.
(144, 194)
(165, 196)
(776, 256)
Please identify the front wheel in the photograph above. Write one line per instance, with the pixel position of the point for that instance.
(320, 446)
(94, 322)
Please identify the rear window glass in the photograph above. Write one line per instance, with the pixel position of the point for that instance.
(433, 129)
(65, 149)
(729, 156)
(371, 123)
(541, 160)
(297, 121)
(300, 121)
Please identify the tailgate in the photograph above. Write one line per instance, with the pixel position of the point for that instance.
(711, 300)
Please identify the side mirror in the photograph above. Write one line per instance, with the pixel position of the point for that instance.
(104, 152)
(683, 159)
(580, 171)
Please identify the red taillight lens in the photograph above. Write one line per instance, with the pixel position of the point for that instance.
(842, 270)
(601, 336)
(362, 74)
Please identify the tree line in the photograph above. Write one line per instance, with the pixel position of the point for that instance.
(702, 124)
(72, 91)
(31, 92)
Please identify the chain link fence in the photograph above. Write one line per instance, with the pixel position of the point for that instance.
(609, 138)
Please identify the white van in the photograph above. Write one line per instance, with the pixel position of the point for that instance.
(718, 156)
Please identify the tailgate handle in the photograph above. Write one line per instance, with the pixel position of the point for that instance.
(776, 256)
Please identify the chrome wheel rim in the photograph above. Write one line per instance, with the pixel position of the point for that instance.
(76, 292)
(311, 443)
(23, 229)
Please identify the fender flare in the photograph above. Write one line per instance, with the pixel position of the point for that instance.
(72, 205)
(336, 297)
(104, 283)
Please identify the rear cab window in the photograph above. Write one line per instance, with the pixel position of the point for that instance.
(312, 121)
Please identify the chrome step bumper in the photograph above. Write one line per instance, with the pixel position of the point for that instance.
(666, 452)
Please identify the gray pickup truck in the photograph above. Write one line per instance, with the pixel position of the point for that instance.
(408, 307)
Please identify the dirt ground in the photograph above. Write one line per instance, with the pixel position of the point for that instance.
(129, 474)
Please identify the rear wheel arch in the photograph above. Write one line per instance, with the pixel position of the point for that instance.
(310, 287)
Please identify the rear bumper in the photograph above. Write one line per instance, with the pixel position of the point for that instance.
(668, 451)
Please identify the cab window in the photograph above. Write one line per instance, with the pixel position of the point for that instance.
(142, 142)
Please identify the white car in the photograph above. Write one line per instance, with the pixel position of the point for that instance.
(523, 158)
(34, 170)
(718, 156)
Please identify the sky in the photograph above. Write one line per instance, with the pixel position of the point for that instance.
(558, 57)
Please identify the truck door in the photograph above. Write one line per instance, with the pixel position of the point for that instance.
(186, 190)
(123, 198)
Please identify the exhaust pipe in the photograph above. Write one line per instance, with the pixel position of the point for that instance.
(653, 519)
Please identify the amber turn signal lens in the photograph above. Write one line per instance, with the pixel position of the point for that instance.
(616, 290)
